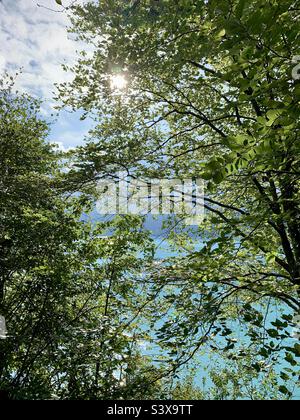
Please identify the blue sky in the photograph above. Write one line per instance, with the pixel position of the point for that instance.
(36, 40)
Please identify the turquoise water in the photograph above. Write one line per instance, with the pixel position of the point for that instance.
(204, 360)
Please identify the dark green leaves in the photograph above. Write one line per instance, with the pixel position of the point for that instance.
(211, 95)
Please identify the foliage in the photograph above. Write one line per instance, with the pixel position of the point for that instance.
(71, 292)
(210, 95)
(91, 312)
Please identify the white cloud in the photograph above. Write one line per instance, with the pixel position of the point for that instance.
(2, 63)
(71, 138)
(35, 39)
(61, 147)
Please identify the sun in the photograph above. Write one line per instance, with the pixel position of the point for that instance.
(118, 82)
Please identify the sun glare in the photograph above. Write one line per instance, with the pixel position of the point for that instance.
(118, 82)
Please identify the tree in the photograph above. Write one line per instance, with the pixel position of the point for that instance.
(71, 294)
(210, 94)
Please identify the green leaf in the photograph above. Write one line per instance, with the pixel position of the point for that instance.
(284, 376)
(240, 8)
(218, 177)
(273, 115)
(262, 121)
(297, 91)
(221, 34)
(289, 358)
(296, 350)
(273, 333)
(283, 389)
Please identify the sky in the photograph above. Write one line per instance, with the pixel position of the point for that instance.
(36, 40)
